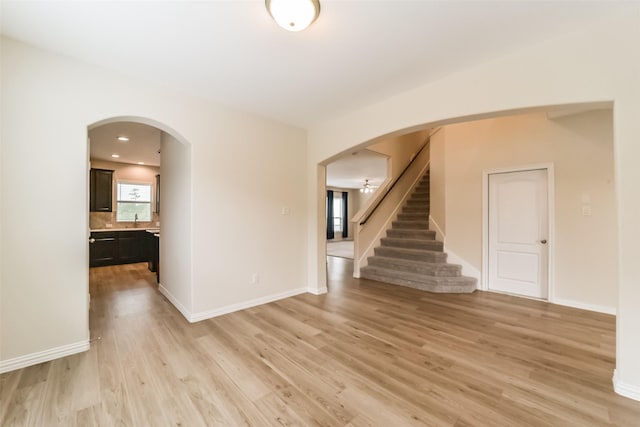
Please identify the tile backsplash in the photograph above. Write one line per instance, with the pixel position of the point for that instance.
(99, 220)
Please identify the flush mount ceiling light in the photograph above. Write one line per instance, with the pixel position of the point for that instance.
(293, 15)
(115, 156)
(366, 188)
(123, 138)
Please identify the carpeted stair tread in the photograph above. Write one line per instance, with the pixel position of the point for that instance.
(413, 266)
(403, 242)
(413, 254)
(459, 284)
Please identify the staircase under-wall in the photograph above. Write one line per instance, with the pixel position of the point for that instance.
(410, 256)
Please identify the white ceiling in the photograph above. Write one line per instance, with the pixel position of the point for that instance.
(143, 145)
(231, 52)
(351, 170)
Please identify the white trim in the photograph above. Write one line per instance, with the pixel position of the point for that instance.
(433, 225)
(43, 356)
(467, 269)
(203, 315)
(623, 389)
(176, 303)
(316, 291)
(549, 167)
(585, 306)
(208, 314)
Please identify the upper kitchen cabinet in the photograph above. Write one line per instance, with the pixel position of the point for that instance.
(101, 198)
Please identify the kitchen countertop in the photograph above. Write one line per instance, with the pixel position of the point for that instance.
(151, 230)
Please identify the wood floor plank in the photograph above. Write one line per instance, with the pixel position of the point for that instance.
(365, 354)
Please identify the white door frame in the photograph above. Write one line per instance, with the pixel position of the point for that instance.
(549, 167)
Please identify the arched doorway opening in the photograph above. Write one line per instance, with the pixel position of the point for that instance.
(582, 149)
(138, 230)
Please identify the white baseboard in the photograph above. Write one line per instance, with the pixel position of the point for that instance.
(584, 306)
(318, 291)
(623, 389)
(43, 356)
(203, 315)
(173, 300)
(467, 269)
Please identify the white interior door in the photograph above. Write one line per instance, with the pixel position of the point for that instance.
(518, 233)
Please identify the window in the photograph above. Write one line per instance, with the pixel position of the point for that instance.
(133, 199)
(337, 214)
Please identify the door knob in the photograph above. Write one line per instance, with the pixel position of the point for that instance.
(543, 241)
(91, 240)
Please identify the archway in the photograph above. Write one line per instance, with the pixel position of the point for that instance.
(175, 237)
(558, 114)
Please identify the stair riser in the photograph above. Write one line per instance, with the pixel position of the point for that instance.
(436, 270)
(392, 252)
(418, 203)
(429, 245)
(427, 285)
(415, 209)
(431, 280)
(419, 196)
(412, 234)
(413, 216)
(415, 225)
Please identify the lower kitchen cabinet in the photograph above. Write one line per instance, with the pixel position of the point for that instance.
(103, 249)
(118, 247)
(132, 247)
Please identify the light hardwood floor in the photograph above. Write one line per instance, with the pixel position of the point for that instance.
(365, 354)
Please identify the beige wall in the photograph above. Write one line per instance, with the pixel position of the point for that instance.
(581, 149)
(437, 169)
(400, 150)
(594, 64)
(176, 265)
(125, 172)
(239, 176)
(363, 200)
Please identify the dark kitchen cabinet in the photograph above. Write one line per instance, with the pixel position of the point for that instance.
(101, 190)
(103, 249)
(118, 247)
(132, 247)
(153, 245)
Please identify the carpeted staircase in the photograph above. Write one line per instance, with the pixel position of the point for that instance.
(410, 255)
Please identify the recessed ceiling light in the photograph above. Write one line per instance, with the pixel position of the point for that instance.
(115, 155)
(123, 138)
(141, 163)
